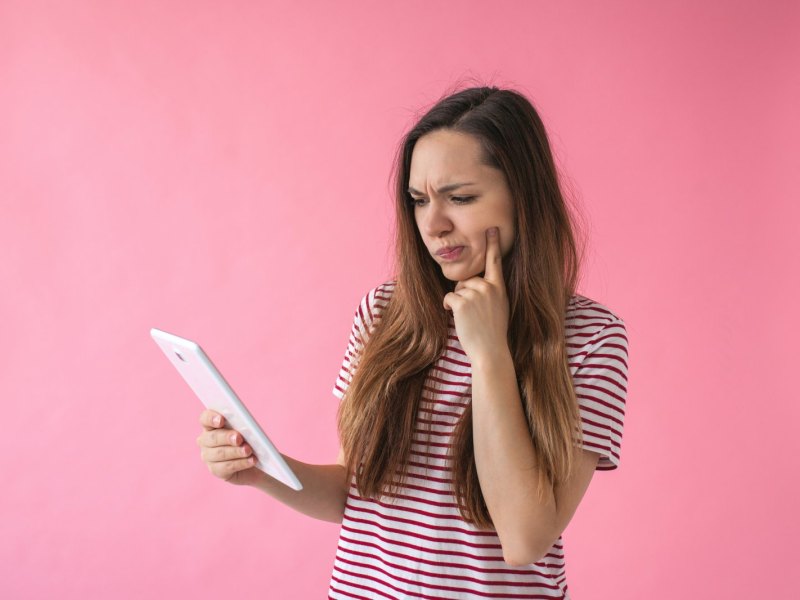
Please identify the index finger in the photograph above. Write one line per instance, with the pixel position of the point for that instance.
(493, 271)
(211, 419)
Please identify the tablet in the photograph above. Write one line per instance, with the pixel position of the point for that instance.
(208, 384)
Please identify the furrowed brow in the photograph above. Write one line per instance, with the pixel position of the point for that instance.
(443, 189)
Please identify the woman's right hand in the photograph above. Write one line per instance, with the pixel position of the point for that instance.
(224, 451)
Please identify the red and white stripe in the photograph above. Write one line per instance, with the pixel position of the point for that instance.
(416, 545)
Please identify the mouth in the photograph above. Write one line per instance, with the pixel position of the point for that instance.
(450, 253)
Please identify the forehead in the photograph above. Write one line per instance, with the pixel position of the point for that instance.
(441, 157)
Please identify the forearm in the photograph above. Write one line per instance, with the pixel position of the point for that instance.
(324, 490)
(506, 461)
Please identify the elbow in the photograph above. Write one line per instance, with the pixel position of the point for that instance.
(523, 554)
(521, 559)
(518, 560)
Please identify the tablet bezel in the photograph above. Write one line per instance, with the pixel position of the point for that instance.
(208, 384)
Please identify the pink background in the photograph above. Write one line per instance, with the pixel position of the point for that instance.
(220, 170)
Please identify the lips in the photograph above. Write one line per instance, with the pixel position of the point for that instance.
(447, 250)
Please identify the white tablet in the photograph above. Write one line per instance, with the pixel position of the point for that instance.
(208, 384)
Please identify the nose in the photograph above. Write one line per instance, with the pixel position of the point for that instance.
(434, 220)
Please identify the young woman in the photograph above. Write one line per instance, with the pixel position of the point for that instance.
(479, 391)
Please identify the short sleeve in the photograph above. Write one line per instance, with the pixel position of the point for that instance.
(601, 384)
(366, 315)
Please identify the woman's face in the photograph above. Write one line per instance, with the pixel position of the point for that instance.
(458, 216)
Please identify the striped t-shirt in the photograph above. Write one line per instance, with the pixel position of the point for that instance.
(417, 545)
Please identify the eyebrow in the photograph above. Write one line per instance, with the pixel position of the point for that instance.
(443, 189)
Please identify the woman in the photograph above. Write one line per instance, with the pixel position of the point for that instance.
(479, 392)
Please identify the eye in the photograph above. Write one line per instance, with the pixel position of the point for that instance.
(457, 199)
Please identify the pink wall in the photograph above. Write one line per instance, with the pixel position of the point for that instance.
(221, 170)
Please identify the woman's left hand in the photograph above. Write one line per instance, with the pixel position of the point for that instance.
(480, 306)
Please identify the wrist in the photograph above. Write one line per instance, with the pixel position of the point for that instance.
(259, 480)
(497, 360)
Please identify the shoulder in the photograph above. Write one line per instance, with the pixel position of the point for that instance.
(376, 299)
(381, 294)
(372, 304)
(581, 306)
(597, 345)
(590, 324)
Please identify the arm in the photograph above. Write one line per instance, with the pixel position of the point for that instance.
(505, 458)
(507, 467)
(324, 492)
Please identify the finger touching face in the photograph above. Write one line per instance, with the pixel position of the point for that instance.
(493, 269)
(455, 199)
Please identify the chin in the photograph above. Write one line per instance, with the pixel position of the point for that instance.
(457, 276)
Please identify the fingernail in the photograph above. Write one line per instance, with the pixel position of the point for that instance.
(233, 439)
(217, 420)
(493, 232)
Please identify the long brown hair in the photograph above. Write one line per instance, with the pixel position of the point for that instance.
(377, 415)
